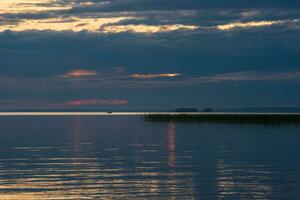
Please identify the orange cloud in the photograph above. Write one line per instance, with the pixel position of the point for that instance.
(95, 102)
(80, 73)
(145, 76)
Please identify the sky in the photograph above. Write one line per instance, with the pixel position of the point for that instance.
(149, 54)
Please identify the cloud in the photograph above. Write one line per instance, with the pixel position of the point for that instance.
(23, 6)
(195, 80)
(234, 25)
(141, 28)
(77, 73)
(75, 24)
(49, 54)
(97, 102)
(154, 81)
(149, 76)
(96, 24)
(54, 104)
(142, 16)
(99, 91)
(44, 42)
(250, 76)
(146, 5)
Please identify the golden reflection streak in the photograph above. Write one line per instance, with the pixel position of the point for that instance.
(95, 181)
(232, 182)
(173, 181)
(171, 144)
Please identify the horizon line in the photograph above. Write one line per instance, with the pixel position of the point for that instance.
(28, 113)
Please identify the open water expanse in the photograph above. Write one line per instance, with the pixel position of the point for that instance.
(126, 157)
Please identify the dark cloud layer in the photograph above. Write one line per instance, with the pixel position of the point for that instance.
(254, 62)
(48, 54)
(143, 5)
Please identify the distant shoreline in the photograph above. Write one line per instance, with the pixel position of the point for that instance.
(50, 113)
(211, 117)
(162, 110)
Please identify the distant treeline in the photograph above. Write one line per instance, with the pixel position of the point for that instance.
(227, 118)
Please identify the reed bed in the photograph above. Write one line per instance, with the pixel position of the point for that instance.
(228, 118)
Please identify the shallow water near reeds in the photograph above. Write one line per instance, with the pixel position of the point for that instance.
(126, 157)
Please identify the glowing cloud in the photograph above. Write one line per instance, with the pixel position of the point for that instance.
(77, 24)
(246, 25)
(32, 6)
(74, 24)
(141, 28)
(99, 102)
(145, 76)
(79, 73)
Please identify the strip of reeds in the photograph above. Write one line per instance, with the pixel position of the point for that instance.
(228, 118)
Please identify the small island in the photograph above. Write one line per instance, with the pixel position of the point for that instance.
(186, 110)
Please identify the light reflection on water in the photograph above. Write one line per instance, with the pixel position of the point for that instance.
(124, 157)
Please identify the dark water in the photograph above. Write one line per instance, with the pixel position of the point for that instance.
(121, 157)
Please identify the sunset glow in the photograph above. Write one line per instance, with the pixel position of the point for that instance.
(114, 49)
(149, 99)
(80, 73)
(95, 102)
(146, 76)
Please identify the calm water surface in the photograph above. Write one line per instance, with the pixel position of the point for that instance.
(124, 157)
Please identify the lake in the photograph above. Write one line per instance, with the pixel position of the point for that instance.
(126, 157)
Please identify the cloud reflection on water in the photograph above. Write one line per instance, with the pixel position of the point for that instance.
(72, 157)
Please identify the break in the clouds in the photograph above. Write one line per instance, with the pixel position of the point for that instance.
(147, 76)
(79, 73)
(59, 53)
